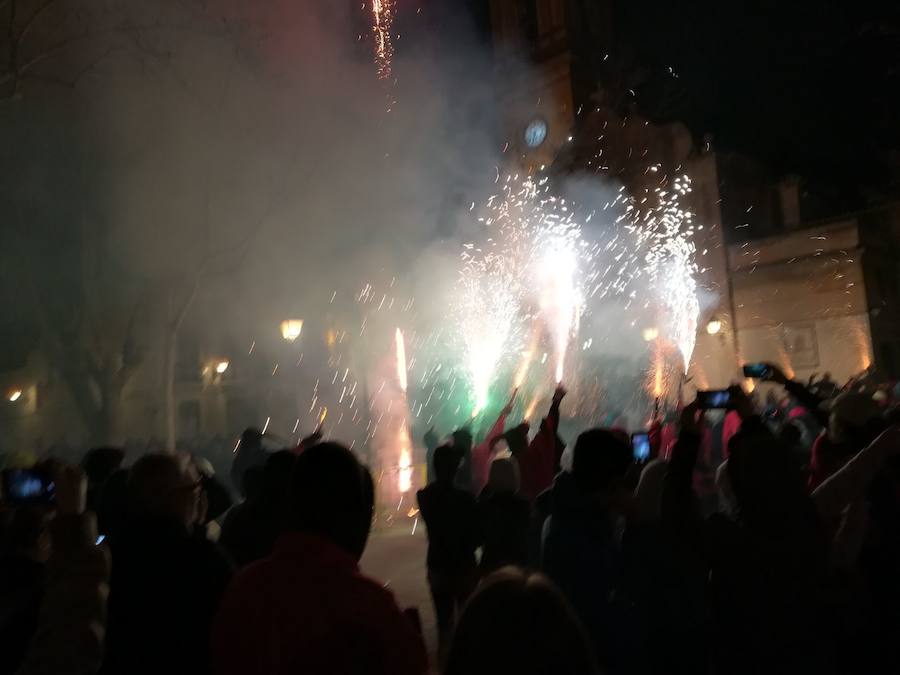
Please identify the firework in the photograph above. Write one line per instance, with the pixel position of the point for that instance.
(382, 24)
(527, 357)
(672, 266)
(560, 298)
(489, 323)
(404, 464)
(401, 360)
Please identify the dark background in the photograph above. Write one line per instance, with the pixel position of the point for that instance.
(806, 87)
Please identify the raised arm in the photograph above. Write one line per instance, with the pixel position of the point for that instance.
(680, 509)
(552, 419)
(801, 392)
(850, 481)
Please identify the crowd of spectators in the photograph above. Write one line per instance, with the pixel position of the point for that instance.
(764, 538)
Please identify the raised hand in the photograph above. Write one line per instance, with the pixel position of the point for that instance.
(559, 394)
(776, 374)
(313, 438)
(692, 418)
(741, 403)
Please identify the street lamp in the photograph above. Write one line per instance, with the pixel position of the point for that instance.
(291, 329)
(650, 334)
(714, 327)
(222, 366)
(15, 395)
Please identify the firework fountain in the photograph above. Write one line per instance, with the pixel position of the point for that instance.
(543, 267)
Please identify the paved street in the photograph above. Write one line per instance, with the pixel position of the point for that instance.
(397, 558)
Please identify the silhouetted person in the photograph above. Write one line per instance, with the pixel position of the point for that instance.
(166, 581)
(483, 452)
(517, 622)
(217, 496)
(307, 608)
(24, 549)
(768, 561)
(451, 520)
(250, 452)
(112, 505)
(504, 516)
(462, 442)
(251, 527)
(540, 462)
(581, 551)
(854, 421)
(98, 465)
(826, 387)
(431, 443)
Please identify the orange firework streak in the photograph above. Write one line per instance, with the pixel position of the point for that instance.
(785, 362)
(404, 463)
(656, 377)
(529, 411)
(862, 343)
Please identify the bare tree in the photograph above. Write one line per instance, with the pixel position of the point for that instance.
(95, 323)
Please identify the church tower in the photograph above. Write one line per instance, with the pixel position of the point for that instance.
(534, 77)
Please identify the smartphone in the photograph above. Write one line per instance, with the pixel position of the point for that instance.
(640, 446)
(28, 486)
(759, 371)
(719, 399)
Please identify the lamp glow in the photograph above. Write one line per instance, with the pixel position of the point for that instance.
(291, 329)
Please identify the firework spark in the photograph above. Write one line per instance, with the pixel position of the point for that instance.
(382, 25)
(401, 360)
(560, 298)
(672, 266)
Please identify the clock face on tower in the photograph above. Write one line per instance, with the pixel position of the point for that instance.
(535, 132)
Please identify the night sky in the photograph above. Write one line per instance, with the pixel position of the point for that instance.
(810, 87)
(805, 86)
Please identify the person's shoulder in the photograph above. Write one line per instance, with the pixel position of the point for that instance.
(248, 580)
(372, 595)
(464, 496)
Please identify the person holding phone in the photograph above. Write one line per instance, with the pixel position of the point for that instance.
(768, 561)
(68, 635)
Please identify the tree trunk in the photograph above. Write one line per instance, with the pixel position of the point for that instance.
(107, 425)
(175, 318)
(170, 350)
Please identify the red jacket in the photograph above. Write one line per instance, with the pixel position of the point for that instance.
(538, 465)
(308, 609)
(731, 426)
(481, 455)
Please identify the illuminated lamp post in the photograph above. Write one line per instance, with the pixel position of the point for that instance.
(291, 329)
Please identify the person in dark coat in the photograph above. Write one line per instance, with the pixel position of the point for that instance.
(450, 515)
(166, 580)
(504, 516)
(582, 550)
(24, 548)
(250, 453)
(251, 527)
